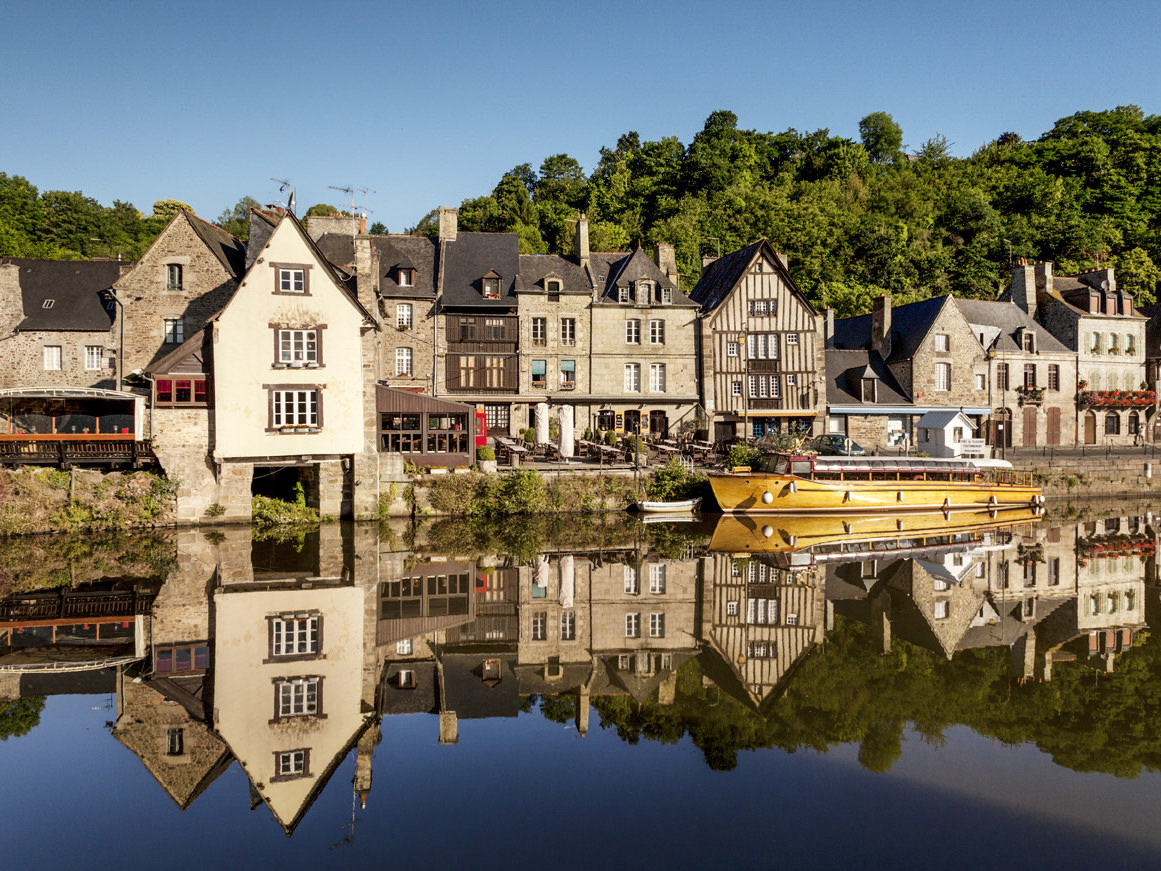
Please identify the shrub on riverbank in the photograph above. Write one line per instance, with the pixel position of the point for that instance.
(525, 492)
(53, 500)
(674, 482)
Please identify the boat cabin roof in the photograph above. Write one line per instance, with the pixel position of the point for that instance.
(903, 465)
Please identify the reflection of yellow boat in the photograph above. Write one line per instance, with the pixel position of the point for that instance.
(743, 534)
(799, 483)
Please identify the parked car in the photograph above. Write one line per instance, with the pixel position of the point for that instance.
(836, 444)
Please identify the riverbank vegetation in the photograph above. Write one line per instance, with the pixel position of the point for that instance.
(54, 500)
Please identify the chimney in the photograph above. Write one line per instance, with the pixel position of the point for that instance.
(1023, 290)
(448, 223)
(363, 224)
(582, 239)
(449, 727)
(1044, 277)
(667, 260)
(1104, 279)
(828, 329)
(783, 259)
(881, 326)
(366, 274)
(706, 260)
(11, 298)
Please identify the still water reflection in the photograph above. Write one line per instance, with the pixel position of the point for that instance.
(890, 648)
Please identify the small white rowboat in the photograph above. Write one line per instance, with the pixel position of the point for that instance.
(683, 507)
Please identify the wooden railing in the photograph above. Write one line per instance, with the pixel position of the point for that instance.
(75, 450)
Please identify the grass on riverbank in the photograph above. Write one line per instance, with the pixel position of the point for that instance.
(36, 500)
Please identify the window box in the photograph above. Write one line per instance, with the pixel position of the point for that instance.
(568, 385)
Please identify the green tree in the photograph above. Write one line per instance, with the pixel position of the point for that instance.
(236, 220)
(18, 717)
(881, 136)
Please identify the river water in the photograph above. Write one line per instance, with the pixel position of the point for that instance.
(575, 692)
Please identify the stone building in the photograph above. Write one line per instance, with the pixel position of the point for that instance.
(1031, 377)
(1103, 328)
(760, 344)
(643, 357)
(864, 401)
(933, 355)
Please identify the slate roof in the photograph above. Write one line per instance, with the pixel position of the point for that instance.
(470, 697)
(619, 269)
(420, 699)
(197, 350)
(721, 276)
(940, 419)
(74, 286)
(535, 268)
(411, 252)
(1008, 318)
(909, 327)
(339, 249)
(844, 372)
(469, 258)
(224, 246)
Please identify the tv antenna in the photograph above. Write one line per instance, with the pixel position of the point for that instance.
(351, 191)
(285, 185)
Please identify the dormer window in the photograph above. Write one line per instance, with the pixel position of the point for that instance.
(666, 296)
(491, 284)
(48, 303)
(623, 293)
(869, 393)
(644, 292)
(405, 277)
(1028, 342)
(1094, 302)
(552, 287)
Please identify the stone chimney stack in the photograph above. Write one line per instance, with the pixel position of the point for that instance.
(582, 240)
(367, 274)
(828, 328)
(1102, 278)
(1044, 277)
(11, 299)
(1024, 288)
(783, 259)
(448, 223)
(706, 260)
(449, 728)
(667, 260)
(881, 326)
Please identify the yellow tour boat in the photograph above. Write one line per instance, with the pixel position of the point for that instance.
(797, 483)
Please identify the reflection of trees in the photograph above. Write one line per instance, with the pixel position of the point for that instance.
(847, 692)
(20, 716)
(523, 538)
(48, 561)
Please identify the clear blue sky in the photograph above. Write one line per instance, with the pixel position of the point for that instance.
(430, 103)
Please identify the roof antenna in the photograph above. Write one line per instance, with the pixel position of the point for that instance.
(285, 185)
(350, 191)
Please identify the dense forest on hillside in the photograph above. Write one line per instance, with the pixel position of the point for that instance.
(857, 218)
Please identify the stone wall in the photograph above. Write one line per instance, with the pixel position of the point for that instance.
(22, 360)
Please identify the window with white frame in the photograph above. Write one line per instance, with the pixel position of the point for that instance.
(656, 377)
(761, 611)
(540, 331)
(568, 331)
(791, 379)
(732, 349)
(981, 382)
(656, 625)
(732, 609)
(758, 307)
(567, 374)
(539, 625)
(762, 346)
(491, 287)
(298, 697)
(405, 277)
(632, 625)
(632, 377)
(942, 610)
(291, 279)
(657, 580)
(631, 588)
(402, 315)
(94, 357)
(294, 408)
(735, 388)
(293, 763)
(404, 647)
(942, 342)
(52, 358)
(568, 625)
(792, 338)
(943, 376)
(294, 635)
(623, 293)
(174, 330)
(666, 296)
(633, 332)
(657, 332)
(765, 387)
(404, 359)
(297, 346)
(173, 276)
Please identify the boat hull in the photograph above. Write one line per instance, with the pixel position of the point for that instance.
(763, 493)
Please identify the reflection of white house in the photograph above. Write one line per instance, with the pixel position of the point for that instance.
(288, 685)
(941, 433)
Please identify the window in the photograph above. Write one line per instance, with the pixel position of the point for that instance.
(181, 658)
(491, 287)
(1029, 343)
(403, 648)
(666, 296)
(656, 625)
(52, 357)
(732, 609)
(402, 315)
(762, 346)
(732, 349)
(1112, 423)
(497, 417)
(294, 635)
(495, 330)
(765, 387)
(1029, 375)
(623, 294)
(643, 290)
(292, 763)
(792, 338)
(1054, 572)
(1053, 377)
(297, 697)
(467, 329)
(568, 331)
(942, 610)
(175, 742)
(943, 376)
(539, 376)
(1130, 343)
(942, 342)
(94, 357)
(657, 332)
(291, 279)
(1094, 343)
(761, 611)
(1114, 344)
(632, 625)
(633, 332)
(758, 308)
(567, 374)
(173, 276)
(298, 347)
(568, 625)
(552, 287)
(540, 331)
(631, 588)
(539, 625)
(180, 391)
(791, 379)
(1002, 376)
(404, 358)
(405, 277)
(656, 377)
(981, 382)
(632, 377)
(294, 408)
(657, 580)
(761, 650)
(735, 388)
(174, 331)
